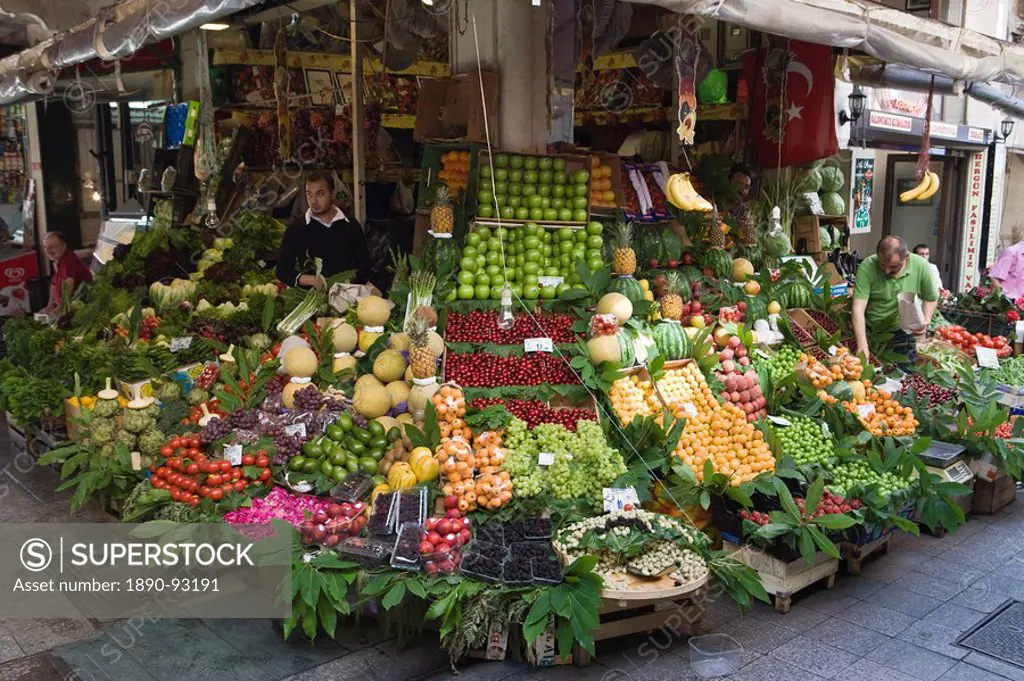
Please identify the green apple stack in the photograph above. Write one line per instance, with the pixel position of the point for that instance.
(533, 188)
(538, 262)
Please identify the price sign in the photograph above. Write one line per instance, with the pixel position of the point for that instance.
(538, 345)
(780, 421)
(233, 453)
(865, 410)
(550, 281)
(688, 407)
(987, 357)
(617, 498)
(181, 343)
(1019, 331)
(825, 430)
(832, 350)
(298, 429)
(761, 353)
(546, 458)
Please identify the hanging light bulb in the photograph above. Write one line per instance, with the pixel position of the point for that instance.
(96, 196)
(505, 320)
(211, 222)
(776, 221)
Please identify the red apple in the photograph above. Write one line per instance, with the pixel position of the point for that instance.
(334, 510)
(426, 548)
(451, 502)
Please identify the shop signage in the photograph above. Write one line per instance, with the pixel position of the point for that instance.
(995, 216)
(14, 275)
(976, 135)
(863, 186)
(973, 212)
(888, 121)
(949, 130)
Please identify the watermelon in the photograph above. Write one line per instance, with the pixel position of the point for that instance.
(757, 308)
(440, 251)
(629, 287)
(626, 350)
(797, 296)
(777, 245)
(719, 262)
(671, 339)
(647, 246)
(688, 274)
(671, 245)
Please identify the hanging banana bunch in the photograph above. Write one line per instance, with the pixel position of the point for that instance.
(929, 181)
(681, 194)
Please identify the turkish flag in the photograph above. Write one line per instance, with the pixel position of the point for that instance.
(792, 112)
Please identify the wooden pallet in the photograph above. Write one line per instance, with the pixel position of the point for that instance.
(855, 554)
(782, 579)
(653, 604)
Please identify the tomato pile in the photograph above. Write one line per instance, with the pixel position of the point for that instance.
(481, 326)
(535, 412)
(191, 476)
(967, 341)
(196, 412)
(484, 370)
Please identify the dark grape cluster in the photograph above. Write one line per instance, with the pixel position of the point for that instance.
(287, 447)
(309, 398)
(245, 419)
(216, 429)
(359, 420)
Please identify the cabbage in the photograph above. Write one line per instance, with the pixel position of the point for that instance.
(832, 179)
(825, 238)
(807, 180)
(833, 204)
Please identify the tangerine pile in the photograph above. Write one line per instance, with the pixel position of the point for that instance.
(849, 364)
(888, 418)
(819, 374)
(450, 405)
(455, 172)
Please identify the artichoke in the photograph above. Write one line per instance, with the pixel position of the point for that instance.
(127, 438)
(136, 420)
(197, 396)
(168, 390)
(152, 411)
(105, 408)
(150, 442)
(108, 449)
(102, 431)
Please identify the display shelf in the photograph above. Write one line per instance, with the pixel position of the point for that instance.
(334, 62)
(784, 579)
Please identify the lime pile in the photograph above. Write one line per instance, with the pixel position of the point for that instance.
(533, 188)
(805, 441)
(858, 473)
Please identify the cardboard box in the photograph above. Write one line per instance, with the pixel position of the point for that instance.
(451, 108)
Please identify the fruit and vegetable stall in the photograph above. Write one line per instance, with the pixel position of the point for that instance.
(542, 430)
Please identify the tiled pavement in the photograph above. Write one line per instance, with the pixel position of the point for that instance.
(898, 621)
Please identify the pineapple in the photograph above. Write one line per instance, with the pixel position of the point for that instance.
(625, 258)
(716, 237)
(442, 217)
(748, 229)
(421, 357)
(672, 301)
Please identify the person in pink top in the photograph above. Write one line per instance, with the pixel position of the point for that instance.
(1008, 272)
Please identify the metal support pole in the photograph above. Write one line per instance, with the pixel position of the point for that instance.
(358, 134)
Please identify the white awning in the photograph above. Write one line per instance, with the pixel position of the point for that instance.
(886, 33)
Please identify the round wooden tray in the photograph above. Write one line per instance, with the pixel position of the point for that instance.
(653, 589)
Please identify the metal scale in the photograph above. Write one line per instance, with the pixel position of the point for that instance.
(946, 461)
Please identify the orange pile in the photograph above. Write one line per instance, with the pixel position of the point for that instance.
(888, 418)
(455, 172)
(817, 373)
(450, 405)
(493, 485)
(849, 365)
(457, 463)
(601, 193)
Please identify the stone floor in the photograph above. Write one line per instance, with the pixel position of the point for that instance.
(898, 621)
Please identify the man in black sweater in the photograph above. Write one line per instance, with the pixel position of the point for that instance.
(324, 232)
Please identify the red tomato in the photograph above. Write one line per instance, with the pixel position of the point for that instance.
(240, 486)
(225, 466)
(236, 473)
(217, 494)
(262, 461)
(248, 460)
(204, 491)
(265, 474)
(192, 469)
(175, 443)
(166, 451)
(213, 480)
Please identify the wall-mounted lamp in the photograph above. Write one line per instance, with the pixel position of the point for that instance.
(857, 99)
(1005, 130)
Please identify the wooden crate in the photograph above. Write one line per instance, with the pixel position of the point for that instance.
(805, 228)
(992, 495)
(653, 604)
(855, 554)
(782, 579)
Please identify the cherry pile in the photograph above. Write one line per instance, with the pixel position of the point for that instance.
(830, 504)
(931, 393)
(481, 326)
(824, 321)
(802, 336)
(535, 412)
(756, 517)
(484, 370)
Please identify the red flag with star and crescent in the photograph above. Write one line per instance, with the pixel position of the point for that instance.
(792, 108)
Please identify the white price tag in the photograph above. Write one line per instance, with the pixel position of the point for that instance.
(761, 353)
(296, 429)
(987, 357)
(546, 458)
(865, 410)
(550, 281)
(689, 408)
(181, 343)
(780, 420)
(825, 430)
(538, 345)
(832, 350)
(1019, 331)
(617, 498)
(233, 453)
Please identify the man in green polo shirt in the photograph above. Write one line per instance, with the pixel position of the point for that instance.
(880, 279)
